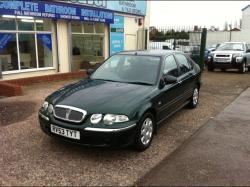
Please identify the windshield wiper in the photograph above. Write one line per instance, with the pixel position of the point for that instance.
(141, 83)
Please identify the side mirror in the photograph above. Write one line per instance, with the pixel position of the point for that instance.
(90, 71)
(168, 79)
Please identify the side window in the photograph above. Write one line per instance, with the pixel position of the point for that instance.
(184, 64)
(248, 46)
(170, 66)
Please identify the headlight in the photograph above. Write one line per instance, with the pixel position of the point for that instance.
(211, 55)
(45, 105)
(50, 109)
(237, 55)
(110, 119)
(96, 118)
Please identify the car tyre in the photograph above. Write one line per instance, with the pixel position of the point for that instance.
(223, 70)
(145, 132)
(243, 68)
(210, 67)
(195, 98)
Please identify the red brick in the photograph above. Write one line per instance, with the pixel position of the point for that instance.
(13, 87)
(8, 90)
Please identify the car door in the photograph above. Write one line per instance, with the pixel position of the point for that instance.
(170, 94)
(186, 77)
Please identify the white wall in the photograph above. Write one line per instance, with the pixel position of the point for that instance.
(222, 36)
(63, 46)
(246, 19)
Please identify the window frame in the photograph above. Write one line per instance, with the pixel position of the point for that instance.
(35, 32)
(188, 60)
(177, 64)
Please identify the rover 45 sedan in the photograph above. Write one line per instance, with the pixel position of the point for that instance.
(123, 101)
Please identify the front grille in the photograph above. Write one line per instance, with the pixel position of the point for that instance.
(222, 55)
(69, 113)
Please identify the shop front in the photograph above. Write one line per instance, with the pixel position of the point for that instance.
(48, 37)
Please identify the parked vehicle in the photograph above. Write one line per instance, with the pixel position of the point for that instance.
(230, 55)
(124, 100)
(209, 50)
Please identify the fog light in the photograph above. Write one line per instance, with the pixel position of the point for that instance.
(239, 59)
(96, 118)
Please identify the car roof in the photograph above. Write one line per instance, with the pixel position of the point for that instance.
(235, 42)
(157, 53)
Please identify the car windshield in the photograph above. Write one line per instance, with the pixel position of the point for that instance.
(231, 47)
(130, 69)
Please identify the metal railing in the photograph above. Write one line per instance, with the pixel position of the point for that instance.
(188, 39)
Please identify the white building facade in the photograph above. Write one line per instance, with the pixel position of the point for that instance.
(48, 37)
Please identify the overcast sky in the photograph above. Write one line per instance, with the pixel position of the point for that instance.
(203, 13)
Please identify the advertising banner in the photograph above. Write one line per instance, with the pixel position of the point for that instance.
(4, 40)
(137, 7)
(117, 35)
(52, 10)
(46, 40)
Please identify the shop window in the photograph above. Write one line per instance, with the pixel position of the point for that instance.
(8, 52)
(43, 25)
(88, 46)
(44, 45)
(26, 24)
(26, 43)
(99, 28)
(87, 51)
(88, 27)
(76, 27)
(7, 23)
(27, 51)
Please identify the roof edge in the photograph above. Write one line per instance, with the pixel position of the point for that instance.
(245, 7)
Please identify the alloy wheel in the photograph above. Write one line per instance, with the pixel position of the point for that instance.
(146, 131)
(195, 96)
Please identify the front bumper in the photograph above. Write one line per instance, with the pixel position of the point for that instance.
(234, 64)
(92, 136)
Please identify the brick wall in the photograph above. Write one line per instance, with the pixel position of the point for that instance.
(8, 90)
(14, 87)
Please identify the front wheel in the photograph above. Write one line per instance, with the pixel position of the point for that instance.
(243, 68)
(194, 99)
(145, 132)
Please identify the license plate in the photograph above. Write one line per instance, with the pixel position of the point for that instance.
(221, 60)
(65, 132)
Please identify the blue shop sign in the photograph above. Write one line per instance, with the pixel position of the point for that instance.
(117, 35)
(138, 7)
(52, 10)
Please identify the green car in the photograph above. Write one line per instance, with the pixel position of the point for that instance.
(123, 101)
